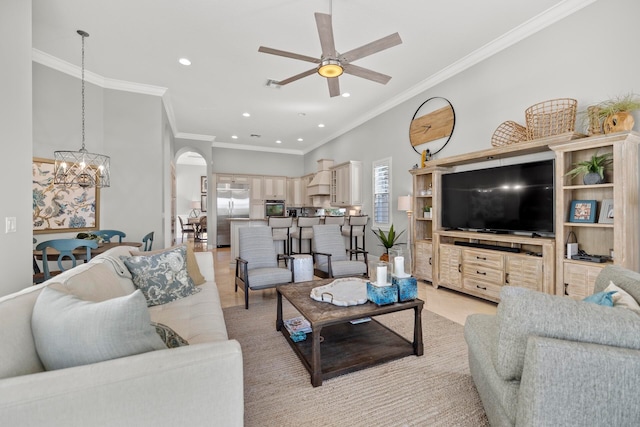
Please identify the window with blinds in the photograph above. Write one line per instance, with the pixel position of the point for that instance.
(382, 193)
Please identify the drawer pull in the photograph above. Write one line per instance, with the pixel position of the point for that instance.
(483, 273)
(566, 285)
(480, 287)
(506, 278)
(481, 258)
(430, 261)
(459, 268)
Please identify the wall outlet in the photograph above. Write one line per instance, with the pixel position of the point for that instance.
(10, 224)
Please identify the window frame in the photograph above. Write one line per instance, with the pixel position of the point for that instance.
(384, 162)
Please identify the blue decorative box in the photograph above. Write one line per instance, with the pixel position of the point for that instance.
(382, 295)
(407, 288)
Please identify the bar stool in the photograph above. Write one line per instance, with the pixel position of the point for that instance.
(280, 232)
(304, 231)
(334, 220)
(355, 228)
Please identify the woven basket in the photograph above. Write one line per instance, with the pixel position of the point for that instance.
(508, 133)
(553, 117)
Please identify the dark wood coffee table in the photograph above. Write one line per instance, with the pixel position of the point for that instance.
(346, 347)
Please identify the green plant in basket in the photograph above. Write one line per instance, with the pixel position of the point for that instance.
(592, 169)
(388, 240)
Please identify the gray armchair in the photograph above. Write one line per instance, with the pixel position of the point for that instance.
(546, 360)
(257, 266)
(330, 254)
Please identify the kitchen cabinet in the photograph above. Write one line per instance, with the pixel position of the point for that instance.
(274, 187)
(346, 184)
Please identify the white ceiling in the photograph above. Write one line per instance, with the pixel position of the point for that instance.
(140, 41)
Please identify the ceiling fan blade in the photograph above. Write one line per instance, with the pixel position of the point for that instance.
(288, 54)
(297, 77)
(325, 31)
(365, 73)
(371, 48)
(334, 86)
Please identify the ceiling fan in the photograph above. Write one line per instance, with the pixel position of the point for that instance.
(332, 64)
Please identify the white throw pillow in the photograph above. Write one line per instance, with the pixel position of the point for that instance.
(622, 299)
(70, 332)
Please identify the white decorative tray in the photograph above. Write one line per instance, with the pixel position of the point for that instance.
(343, 292)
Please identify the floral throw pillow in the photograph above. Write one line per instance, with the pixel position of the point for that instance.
(162, 277)
(170, 337)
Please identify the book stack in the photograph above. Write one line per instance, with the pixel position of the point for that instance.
(298, 328)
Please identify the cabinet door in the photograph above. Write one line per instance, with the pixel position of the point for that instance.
(224, 178)
(450, 266)
(256, 210)
(525, 271)
(423, 268)
(255, 185)
(355, 193)
(579, 279)
(274, 187)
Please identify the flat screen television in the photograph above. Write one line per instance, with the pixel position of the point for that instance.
(503, 199)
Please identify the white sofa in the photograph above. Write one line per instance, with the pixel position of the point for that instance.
(199, 384)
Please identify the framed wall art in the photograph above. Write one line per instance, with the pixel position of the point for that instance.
(606, 212)
(203, 203)
(57, 208)
(203, 184)
(583, 211)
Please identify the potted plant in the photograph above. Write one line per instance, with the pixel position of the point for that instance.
(388, 240)
(426, 211)
(593, 169)
(613, 115)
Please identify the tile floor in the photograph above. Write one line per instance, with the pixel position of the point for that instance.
(447, 303)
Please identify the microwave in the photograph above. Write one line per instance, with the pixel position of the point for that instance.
(274, 208)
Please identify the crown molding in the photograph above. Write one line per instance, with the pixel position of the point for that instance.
(256, 148)
(194, 137)
(517, 34)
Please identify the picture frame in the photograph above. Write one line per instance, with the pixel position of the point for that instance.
(606, 212)
(203, 184)
(583, 211)
(57, 208)
(203, 203)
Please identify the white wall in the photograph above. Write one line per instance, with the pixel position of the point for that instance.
(188, 186)
(126, 126)
(16, 125)
(584, 56)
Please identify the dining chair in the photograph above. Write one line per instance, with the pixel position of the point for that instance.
(203, 227)
(330, 254)
(353, 229)
(257, 266)
(65, 247)
(280, 232)
(186, 228)
(148, 242)
(108, 234)
(38, 275)
(304, 232)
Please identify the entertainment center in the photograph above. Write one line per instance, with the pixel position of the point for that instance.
(478, 247)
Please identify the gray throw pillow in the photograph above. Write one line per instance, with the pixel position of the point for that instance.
(162, 277)
(70, 332)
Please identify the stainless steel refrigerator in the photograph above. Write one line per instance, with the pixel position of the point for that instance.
(232, 202)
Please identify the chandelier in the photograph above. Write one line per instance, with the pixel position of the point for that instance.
(81, 168)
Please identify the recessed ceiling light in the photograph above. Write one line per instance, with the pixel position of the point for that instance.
(346, 95)
(246, 114)
(184, 61)
(234, 136)
(321, 125)
(300, 139)
(278, 142)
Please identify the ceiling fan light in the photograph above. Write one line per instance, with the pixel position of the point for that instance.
(330, 68)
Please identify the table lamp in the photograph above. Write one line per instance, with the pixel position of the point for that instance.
(195, 209)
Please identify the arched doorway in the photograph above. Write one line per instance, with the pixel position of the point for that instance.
(191, 189)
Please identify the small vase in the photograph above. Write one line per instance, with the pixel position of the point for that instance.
(592, 178)
(427, 215)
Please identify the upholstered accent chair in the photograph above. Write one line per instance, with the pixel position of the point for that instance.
(257, 266)
(330, 254)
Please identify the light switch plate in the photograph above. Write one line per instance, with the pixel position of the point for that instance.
(10, 224)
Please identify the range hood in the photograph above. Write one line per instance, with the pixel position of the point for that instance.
(321, 182)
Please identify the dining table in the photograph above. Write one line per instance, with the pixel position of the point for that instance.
(80, 253)
(195, 223)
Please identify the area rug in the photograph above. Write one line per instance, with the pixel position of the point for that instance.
(432, 390)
